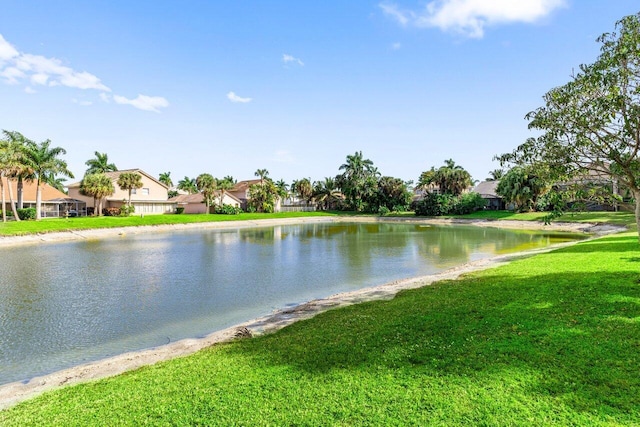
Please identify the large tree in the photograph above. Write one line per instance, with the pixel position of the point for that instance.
(20, 168)
(521, 187)
(188, 184)
(223, 185)
(206, 184)
(358, 181)
(129, 181)
(327, 194)
(165, 178)
(100, 164)
(591, 125)
(98, 186)
(45, 162)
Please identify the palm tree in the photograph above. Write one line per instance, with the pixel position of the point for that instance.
(45, 161)
(496, 175)
(327, 194)
(223, 185)
(10, 161)
(20, 169)
(207, 186)
(357, 180)
(452, 178)
(55, 182)
(98, 186)
(128, 181)
(263, 174)
(165, 178)
(188, 184)
(100, 164)
(303, 189)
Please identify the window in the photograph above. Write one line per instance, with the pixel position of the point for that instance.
(145, 192)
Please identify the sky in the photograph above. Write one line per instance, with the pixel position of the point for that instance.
(229, 87)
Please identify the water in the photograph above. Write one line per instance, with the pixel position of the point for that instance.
(66, 304)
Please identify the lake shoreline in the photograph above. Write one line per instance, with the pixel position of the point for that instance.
(16, 392)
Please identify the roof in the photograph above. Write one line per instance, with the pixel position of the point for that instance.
(244, 185)
(487, 189)
(116, 174)
(29, 191)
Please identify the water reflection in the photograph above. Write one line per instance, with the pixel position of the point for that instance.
(64, 304)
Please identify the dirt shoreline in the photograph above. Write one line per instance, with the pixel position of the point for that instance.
(13, 393)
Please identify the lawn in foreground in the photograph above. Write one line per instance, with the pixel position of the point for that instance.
(15, 228)
(547, 340)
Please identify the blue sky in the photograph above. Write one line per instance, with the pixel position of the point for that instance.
(229, 87)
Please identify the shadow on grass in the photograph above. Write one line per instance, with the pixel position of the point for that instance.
(575, 332)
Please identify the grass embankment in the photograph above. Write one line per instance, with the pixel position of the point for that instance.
(15, 228)
(614, 218)
(548, 340)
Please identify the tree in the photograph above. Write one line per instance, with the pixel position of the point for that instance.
(358, 181)
(128, 181)
(590, 125)
(165, 178)
(452, 179)
(223, 185)
(188, 184)
(100, 164)
(206, 184)
(496, 175)
(20, 169)
(44, 161)
(327, 194)
(10, 162)
(262, 196)
(522, 187)
(303, 189)
(393, 194)
(98, 186)
(263, 174)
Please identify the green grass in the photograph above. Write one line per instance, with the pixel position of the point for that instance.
(547, 340)
(616, 218)
(14, 228)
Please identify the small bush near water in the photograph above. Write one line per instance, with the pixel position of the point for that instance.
(446, 204)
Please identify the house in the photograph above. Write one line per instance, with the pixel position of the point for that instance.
(151, 198)
(194, 203)
(487, 191)
(241, 191)
(54, 202)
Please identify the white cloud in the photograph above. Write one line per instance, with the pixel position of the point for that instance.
(283, 156)
(18, 67)
(6, 50)
(288, 58)
(470, 17)
(235, 98)
(142, 102)
(83, 103)
(29, 90)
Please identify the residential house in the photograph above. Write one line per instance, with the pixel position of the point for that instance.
(54, 202)
(241, 191)
(194, 203)
(487, 190)
(151, 198)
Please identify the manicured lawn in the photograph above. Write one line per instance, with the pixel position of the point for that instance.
(13, 228)
(619, 218)
(547, 340)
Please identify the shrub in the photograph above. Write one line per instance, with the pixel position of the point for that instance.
(126, 210)
(468, 203)
(447, 204)
(111, 211)
(27, 213)
(383, 210)
(180, 209)
(228, 210)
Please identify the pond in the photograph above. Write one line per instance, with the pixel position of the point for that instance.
(69, 303)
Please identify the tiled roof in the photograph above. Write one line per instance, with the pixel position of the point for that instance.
(29, 191)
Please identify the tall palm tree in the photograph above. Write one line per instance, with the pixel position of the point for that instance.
(452, 179)
(55, 182)
(223, 185)
(496, 175)
(10, 162)
(327, 194)
(100, 164)
(44, 161)
(165, 178)
(357, 180)
(188, 184)
(263, 174)
(20, 170)
(128, 181)
(207, 186)
(303, 189)
(98, 186)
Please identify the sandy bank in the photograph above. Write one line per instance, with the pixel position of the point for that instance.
(13, 393)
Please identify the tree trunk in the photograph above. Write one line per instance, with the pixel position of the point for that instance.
(3, 206)
(13, 206)
(38, 201)
(19, 187)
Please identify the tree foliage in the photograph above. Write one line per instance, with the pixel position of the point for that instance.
(522, 187)
(591, 125)
(188, 184)
(128, 181)
(100, 164)
(206, 184)
(262, 196)
(98, 186)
